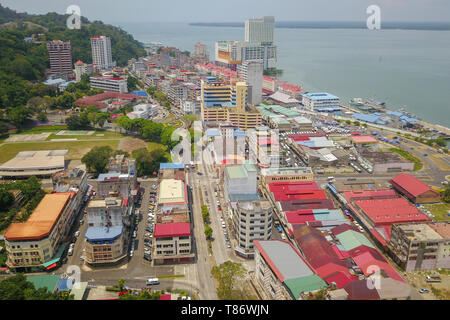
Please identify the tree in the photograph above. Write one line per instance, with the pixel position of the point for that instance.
(205, 214)
(229, 275)
(6, 199)
(446, 194)
(208, 232)
(131, 83)
(42, 117)
(121, 284)
(19, 116)
(148, 162)
(98, 158)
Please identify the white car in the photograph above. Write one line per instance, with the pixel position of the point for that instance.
(283, 236)
(77, 233)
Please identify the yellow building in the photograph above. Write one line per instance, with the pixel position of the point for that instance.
(36, 241)
(224, 102)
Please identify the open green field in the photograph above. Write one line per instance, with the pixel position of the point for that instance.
(95, 136)
(76, 148)
(154, 145)
(439, 210)
(43, 129)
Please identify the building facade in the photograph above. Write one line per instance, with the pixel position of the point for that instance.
(109, 84)
(101, 53)
(172, 243)
(60, 58)
(320, 101)
(251, 72)
(252, 220)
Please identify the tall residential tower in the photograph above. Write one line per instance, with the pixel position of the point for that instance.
(60, 58)
(101, 52)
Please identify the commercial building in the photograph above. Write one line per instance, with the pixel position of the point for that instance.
(222, 102)
(201, 52)
(282, 273)
(240, 181)
(320, 101)
(105, 101)
(34, 163)
(82, 68)
(60, 58)
(116, 184)
(143, 111)
(232, 53)
(108, 230)
(383, 161)
(421, 246)
(251, 72)
(318, 218)
(101, 53)
(107, 83)
(172, 243)
(288, 174)
(40, 239)
(264, 147)
(260, 30)
(414, 189)
(252, 220)
(172, 195)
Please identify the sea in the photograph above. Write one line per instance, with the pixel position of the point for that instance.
(407, 69)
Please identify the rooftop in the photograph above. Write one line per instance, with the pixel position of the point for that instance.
(411, 184)
(320, 96)
(35, 160)
(42, 220)
(103, 233)
(171, 191)
(172, 230)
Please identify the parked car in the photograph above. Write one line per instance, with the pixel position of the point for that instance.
(424, 290)
(152, 281)
(77, 233)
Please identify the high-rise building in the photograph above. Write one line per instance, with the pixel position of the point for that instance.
(101, 52)
(260, 30)
(234, 53)
(252, 221)
(201, 51)
(60, 57)
(251, 72)
(225, 102)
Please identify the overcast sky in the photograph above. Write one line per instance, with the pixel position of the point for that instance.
(111, 11)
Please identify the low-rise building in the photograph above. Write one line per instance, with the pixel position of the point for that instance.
(320, 101)
(172, 243)
(421, 246)
(113, 84)
(287, 174)
(414, 189)
(143, 111)
(282, 273)
(34, 163)
(38, 240)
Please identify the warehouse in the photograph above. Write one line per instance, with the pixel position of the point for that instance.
(414, 189)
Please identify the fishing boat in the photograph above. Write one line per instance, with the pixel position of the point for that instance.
(357, 102)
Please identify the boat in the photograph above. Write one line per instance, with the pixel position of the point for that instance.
(357, 102)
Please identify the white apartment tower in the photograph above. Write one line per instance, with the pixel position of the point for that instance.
(260, 30)
(252, 221)
(101, 52)
(251, 72)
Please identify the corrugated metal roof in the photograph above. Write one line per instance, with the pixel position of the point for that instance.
(305, 284)
(351, 239)
(103, 233)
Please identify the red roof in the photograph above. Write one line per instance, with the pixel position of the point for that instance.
(370, 194)
(410, 185)
(341, 279)
(166, 296)
(299, 216)
(177, 229)
(389, 211)
(299, 204)
(364, 139)
(300, 194)
(293, 186)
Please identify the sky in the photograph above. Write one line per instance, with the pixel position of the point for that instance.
(110, 11)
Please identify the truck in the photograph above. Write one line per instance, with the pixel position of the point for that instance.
(433, 278)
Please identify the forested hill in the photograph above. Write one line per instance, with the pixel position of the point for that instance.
(123, 45)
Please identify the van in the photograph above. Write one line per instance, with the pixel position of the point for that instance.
(152, 281)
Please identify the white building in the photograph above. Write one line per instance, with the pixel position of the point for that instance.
(240, 180)
(201, 51)
(143, 111)
(252, 220)
(260, 30)
(320, 101)
(237, 52)
(190, 106)
(82, 68)
(101, 53)
(109, 84)
(251, 72)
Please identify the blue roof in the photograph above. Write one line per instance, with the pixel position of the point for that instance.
(320, 95)
(65, 284)
(103, 233)
(171, 165)
(372, 118)
(213, 132)
(141, 93)
(394, 113)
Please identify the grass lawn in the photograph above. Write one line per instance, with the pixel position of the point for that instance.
(439, 210)
(76, 148)
(42, 129)
(408, 156)
(154, 145)
(95, 135)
